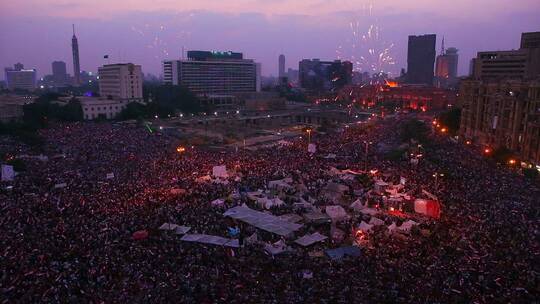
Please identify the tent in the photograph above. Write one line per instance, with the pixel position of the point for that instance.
(406, 227)
(430, 208)
(181, 230)
(220, 171)
(365, 227)
(218, 203)
(279, 184)
(110, 175)
(262, 220)
(375, 221)
(357, 205)
(337, 213)
(310, 239)
(291, 217)
(369, 211)
(168, 226)
(312, 148)
(339, 253)
(210, 239)
(276, 248)
(316, 217)
(380, 186)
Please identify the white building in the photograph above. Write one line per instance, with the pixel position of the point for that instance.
(121, 82)
(21, 79)
(94, 108)
(207, 72)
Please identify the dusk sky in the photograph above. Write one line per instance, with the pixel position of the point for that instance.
(36, 33)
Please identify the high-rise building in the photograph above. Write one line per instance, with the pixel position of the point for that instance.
(20, 78)
(59, 73)
(421, 59)
(206, 72)
(530, 40)
(501, 102)
(317, 75)
(121, 81)
(76, 64)
(446, 67)
(281, 73)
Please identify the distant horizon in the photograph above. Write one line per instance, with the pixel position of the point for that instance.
(36, 33)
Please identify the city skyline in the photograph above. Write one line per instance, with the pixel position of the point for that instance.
(148, 36)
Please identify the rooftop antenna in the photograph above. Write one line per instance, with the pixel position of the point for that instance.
(442, 46)
(73, 29)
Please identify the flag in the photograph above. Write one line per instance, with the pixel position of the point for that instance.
(106, 57)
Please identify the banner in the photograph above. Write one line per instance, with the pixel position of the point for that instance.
(8, 174)
(312, 148)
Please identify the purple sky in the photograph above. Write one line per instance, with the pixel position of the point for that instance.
(146, 32)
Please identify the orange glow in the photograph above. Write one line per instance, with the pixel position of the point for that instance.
(180, 149)
(487, 150)
(468, 142)
(443, 130)
(512, 162)
(392, 84)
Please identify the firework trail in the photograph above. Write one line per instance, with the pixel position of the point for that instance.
(366, 48)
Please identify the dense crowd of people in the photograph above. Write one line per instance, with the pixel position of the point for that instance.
(75, 244)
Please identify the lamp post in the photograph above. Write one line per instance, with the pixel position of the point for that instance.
(309, 135)
(436, 176)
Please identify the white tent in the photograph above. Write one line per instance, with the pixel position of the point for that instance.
(310, 239)
(218, 203)
(276, 248)
(210, 239)
(168, 226)
(182, 229)
(357, 205)
(365, 227)
(375, 221)
(220, 171)
(369, 211)
(279, 184)
(110, 175)
(406, 227)
(337, 213)
(262, 220)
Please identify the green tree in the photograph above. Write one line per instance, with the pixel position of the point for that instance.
(451, 119)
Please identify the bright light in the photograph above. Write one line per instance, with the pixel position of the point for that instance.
(155, 117)
(443, 130)
(181, 115)
(41, 86)
(215, 113)
(268, 116)
(160, 127)
(237, 112)
(468, 142)
(180, 149)
(487, 150)
(512, 162)
(391, 209)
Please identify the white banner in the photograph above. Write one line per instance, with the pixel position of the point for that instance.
(312, 148)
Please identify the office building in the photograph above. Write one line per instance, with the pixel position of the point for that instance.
(446, 67)
(206, 72)
(121, 81)
(281, 73)
(530, 40)
(292, 75)
(504, 113)
(11, 107)
(501, 102)
(320, 76)
(421, 59)
(100, 108)
(20, 78)
(76, 63)
(59, 73)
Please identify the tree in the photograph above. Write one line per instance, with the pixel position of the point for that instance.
(414, 129)
(169, 98)
(451, 119)
(530, 173)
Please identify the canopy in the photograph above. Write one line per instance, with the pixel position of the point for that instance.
(276, 248)
(337, 213)
(315, 216)
(8, 174)
(310, 239)
(168, 226)
(210, 239)
(280, 184)
(218, 202)
(339, 253)
(262, 220)
(375, 221)
(365, 227)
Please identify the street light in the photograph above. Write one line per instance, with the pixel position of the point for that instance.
(309, 135)
(436, 176)
(512, 162)
(180, 149)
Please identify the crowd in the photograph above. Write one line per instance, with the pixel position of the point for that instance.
(74, 244)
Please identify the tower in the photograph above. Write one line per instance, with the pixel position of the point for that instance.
(76, 64)
(281, 66)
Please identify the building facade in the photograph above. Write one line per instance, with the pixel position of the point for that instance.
(446, 68)
(514, 64)
(207, 72)
(98, 108)
(59, 73)
(323, 76)
(281, 66)
(421, 59)
(503, 113)
(20, 78)
(121, 81)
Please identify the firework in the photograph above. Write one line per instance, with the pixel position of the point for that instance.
(366, 48)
